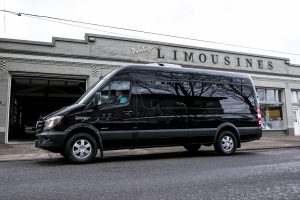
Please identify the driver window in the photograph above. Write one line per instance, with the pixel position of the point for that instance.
(116, 92)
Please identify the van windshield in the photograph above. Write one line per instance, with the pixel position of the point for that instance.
(91, 90)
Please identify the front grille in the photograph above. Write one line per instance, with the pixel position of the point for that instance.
(39, 126)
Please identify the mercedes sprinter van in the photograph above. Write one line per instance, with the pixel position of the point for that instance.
(155, 105)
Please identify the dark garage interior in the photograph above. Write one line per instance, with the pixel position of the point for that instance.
(33, 97)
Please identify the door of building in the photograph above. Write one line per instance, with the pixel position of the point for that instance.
(34, 96)
(296, 122)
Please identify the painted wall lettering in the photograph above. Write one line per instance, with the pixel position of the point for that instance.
(260, 64)
(159, 54)
(202, 57)
(238, 62)
(215, 59)
(143, 49)
(226, 60)
(188, 57)
(248, 62)
(270, 65)
(176, 55)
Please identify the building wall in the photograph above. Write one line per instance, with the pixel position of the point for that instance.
(42, 67)
(97, 55)
(3, 101)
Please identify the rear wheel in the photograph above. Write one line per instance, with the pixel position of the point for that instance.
(192, 147)
(226, 143)
(81, 148)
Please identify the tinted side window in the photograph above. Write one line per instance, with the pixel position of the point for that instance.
(207, 99)
(116, 92)
(213, 98)
(161, 98)
(241, 98)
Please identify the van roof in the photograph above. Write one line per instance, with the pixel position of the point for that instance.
(183, 69)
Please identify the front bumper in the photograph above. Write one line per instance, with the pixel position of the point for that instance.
(51, 140)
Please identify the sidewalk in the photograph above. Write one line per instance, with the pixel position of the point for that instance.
(27, 151)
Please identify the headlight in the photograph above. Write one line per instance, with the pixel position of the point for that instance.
(52, 122)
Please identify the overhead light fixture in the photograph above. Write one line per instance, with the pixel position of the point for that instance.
(92, 39)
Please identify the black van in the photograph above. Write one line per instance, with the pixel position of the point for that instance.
(155, 105)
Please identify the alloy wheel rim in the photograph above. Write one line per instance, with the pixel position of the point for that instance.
(82, 149)
(227, 143)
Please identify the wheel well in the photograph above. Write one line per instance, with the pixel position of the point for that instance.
(83, 130)
(234, 131)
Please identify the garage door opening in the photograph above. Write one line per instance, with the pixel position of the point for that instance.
(33, 97)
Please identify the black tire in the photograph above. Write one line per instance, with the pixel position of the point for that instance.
(226, 143)
(81, 148)
(192, 147)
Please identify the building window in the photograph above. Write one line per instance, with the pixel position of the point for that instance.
(269, 95)
(295, 96)
(271, 108)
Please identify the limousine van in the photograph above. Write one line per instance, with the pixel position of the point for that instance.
(155, 105)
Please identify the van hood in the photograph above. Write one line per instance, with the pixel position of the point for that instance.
(65, 111)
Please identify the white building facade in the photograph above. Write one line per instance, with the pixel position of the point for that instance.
(37, 78)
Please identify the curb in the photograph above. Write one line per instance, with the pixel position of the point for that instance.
(21, 157)
(268, 148)
(116, 153)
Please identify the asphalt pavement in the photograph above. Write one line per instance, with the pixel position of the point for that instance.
(269, 174)
(27, 150)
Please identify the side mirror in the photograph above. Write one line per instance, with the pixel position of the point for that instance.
(97, 97)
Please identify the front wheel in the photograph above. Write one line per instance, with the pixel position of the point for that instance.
(226, 143)
(81, 148)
